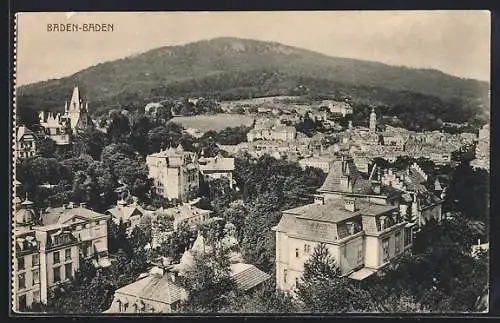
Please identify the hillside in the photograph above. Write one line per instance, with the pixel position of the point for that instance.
(230, 68)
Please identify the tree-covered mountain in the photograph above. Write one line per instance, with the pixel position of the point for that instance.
(231, 68)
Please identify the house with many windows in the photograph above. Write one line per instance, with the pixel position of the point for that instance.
(362, 237)
(25, 143)
(359, 219)
(26, 269)
(48, 247)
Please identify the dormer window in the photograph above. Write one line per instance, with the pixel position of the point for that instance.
(351, 228)
(383, 222)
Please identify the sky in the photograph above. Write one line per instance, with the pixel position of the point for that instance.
(455, 42)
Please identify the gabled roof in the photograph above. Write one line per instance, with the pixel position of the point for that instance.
(153, 287)
(247, 276)
(22, 131)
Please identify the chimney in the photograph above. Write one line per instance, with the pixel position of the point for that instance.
(83, 205)
(350, 203)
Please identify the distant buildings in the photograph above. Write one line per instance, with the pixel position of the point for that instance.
(422, 204)
(337, 107)
(321, 162)
(26, 145)
(217, 167)
(175, 173)
(48, 248)
(482, 156)
(265, 129)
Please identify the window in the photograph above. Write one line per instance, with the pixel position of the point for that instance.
(21, 281)
(36, 296)
(398, 243)
(56, 257)
(285, 274)
(296, 252)
(57, 274)
(36, 276)
(296, 281)
(360, 253)
(385, 250)
(20, 263)
(67, 254)
(307, 249)
(35, 260)
(407, 236)
(68, 270)
(22, 302)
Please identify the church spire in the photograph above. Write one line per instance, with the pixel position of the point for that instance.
(75, 99)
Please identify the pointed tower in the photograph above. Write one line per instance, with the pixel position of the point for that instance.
(74, 104)
(74, 108)
(373, 121)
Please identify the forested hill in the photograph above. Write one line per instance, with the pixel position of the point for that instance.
(238, 68)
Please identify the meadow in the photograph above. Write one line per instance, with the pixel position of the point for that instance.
(214, 122)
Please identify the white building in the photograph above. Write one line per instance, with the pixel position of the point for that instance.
(175, 173)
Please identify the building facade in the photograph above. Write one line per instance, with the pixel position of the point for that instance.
(175, 173)
(25, 143)
(361, 236)
(218, 167)
(48, 253)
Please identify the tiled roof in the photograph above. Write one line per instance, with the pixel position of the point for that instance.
(154, 287)
(318, 221)
(306, 229)
(332, 181)
(247, 276)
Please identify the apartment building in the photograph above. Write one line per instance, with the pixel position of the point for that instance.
(48, 254)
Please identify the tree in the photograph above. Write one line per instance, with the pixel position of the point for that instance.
(321, 265)
(90, 142)
(46, 147)
(236, 214)
(119, 128)
(323, 289)
(209, 283)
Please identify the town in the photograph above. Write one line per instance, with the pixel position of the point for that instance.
(302, 208)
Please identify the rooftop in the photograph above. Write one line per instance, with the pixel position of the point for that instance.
(217, 163)
(63, 214)
(247, 276)
(159, 288)
(333, 211)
